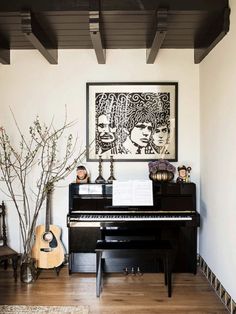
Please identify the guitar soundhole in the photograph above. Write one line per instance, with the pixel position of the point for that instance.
(47, 236)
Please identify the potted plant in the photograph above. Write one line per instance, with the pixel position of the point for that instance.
(42, 158)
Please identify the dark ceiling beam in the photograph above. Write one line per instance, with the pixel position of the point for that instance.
(185, 5)
(220, 29)
(4, 51)
(33, 32)
(43, 5)
(161, 30)
(130, 5)
(95, 31)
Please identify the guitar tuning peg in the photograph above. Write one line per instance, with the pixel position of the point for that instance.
(133, 271)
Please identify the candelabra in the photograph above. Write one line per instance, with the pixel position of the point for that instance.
(111, 178)
(100, 178)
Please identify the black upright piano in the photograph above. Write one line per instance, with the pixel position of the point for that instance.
(173, 216)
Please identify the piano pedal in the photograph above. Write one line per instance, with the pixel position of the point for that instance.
(133, 272)
(139, 273)
(125, 271)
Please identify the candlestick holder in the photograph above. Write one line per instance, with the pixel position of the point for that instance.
(100, 178)
(111, 178)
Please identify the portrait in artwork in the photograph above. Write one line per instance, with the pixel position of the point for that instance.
(133, 125)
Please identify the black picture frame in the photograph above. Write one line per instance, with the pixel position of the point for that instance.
(132, 121)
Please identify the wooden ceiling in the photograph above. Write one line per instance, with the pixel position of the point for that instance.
(49, 25)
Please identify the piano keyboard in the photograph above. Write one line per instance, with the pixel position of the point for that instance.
(114, 218)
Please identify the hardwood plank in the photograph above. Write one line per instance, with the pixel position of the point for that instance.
(19, 46)
(127, 25)
(77, 18)
(128, 44)
(130, 18)
(18, 33)
(147, 16)
(112, 32)
(18, 39)
(121, 294)
(43, 5)
(70, 45)
(64, 19)
(52, 17)
(71, 26)
(128, 37)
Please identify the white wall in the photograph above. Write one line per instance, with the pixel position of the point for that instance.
(31, 86)
(218, 158)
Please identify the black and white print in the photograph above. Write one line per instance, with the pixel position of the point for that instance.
(132, 122)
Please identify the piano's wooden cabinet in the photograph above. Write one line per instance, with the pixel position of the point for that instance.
(173, 199)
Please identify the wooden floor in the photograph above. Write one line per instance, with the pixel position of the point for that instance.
(121, 294)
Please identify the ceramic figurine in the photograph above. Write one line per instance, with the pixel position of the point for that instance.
(189, 170)
(184, 174)
(82, 175)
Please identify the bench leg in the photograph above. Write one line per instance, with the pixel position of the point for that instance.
(98, 273)
(165, 271)
(169, 275)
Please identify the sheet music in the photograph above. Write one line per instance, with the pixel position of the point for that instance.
(83, 189)
(132, 193)
(90, 189)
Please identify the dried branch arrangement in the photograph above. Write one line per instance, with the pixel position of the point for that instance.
(47, 152)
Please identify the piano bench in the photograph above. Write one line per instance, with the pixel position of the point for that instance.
(124, 248)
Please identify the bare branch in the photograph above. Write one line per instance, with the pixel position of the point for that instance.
(48, 153)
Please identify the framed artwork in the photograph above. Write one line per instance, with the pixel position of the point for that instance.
(132, 121)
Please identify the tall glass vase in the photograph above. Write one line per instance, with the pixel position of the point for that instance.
(28, 270)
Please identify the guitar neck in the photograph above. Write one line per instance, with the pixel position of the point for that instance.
(48, 210)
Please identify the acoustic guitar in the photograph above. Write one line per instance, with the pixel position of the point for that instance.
(48, 250)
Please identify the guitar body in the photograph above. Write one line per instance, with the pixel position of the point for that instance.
(48, 250)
